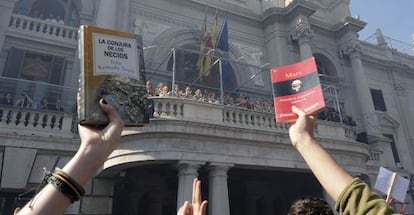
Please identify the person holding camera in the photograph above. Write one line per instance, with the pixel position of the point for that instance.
(25, 101)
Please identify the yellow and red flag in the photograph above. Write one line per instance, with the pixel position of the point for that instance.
(212, 40)
(203, 39)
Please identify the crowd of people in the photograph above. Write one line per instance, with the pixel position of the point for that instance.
(240, 101)
(65, 186)
(26, 101)
(49, 17)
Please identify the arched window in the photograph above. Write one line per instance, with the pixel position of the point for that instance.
(326, 69)
(188, 69)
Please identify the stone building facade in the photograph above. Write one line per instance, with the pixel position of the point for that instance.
(242, 156)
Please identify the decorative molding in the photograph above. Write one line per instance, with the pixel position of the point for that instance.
(158, 17)
(385, 120)
(252, 56)
(301, 32)
(353, 48)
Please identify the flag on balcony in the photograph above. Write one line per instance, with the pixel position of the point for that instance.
(211, 44)
(203, 39)
(223, 46)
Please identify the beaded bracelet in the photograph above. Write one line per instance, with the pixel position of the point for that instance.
(63, 186)
(79, 189)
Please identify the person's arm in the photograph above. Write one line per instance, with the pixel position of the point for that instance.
(197, 207)
(96, 146)
(332, 177)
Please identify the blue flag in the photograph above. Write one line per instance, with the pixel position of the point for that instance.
(223, 45)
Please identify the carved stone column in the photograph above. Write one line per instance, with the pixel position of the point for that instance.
(218, 189)
(187, 171)
(303, 34)
(362, 92)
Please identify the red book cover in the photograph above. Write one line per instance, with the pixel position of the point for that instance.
(296, 84)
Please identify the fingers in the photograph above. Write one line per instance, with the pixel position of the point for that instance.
(194, 198)
(186, 209)
(116, 124)
(197, 191)
(203, 207)
(298, 111)
(110, 112)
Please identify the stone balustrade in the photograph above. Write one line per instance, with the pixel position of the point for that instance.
(45, 123)
(31, 122)
(189, 110)
(41, 27)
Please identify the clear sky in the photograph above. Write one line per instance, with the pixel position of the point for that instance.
(395, 18)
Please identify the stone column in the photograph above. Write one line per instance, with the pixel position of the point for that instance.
(303, 34)
(218, 189)
(106, 15)
(113, 14)
(362, 92)
(407, 120)
(187, 171)
(6, 10)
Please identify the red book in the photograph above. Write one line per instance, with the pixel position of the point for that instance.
(296, 84)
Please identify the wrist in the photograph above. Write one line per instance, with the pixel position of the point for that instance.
(304, 143)
(80, 170)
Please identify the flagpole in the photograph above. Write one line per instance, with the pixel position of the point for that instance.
(221, 82)
(173, 72)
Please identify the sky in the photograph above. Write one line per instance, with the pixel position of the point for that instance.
(394, 17)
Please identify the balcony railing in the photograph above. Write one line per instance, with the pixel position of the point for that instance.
(40, 123)
(44, 28)
(188, 110)
(46, 123)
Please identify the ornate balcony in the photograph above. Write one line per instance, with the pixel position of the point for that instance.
(25, 26)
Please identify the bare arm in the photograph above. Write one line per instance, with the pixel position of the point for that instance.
(96, 145)
(332, 177)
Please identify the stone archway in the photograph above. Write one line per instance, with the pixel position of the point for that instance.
(187, 47)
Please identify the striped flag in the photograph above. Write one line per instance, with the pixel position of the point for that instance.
(203, 39)
(212, 45)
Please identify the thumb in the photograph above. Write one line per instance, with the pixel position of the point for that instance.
(298, 111)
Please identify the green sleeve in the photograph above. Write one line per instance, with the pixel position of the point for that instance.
(358, 199)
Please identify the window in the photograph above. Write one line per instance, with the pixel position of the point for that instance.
(34, 66)
(393, 148)
(378, 99)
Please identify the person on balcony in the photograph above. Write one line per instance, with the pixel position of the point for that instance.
(165, 92)
(177, 91)
(24, 101)
(150, 89)
(44, 104)
(158, 90)
(58, 106)
(188, 93)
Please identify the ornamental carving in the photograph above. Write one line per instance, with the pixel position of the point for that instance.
(252, 56)
(301, 32)
(352, 48)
